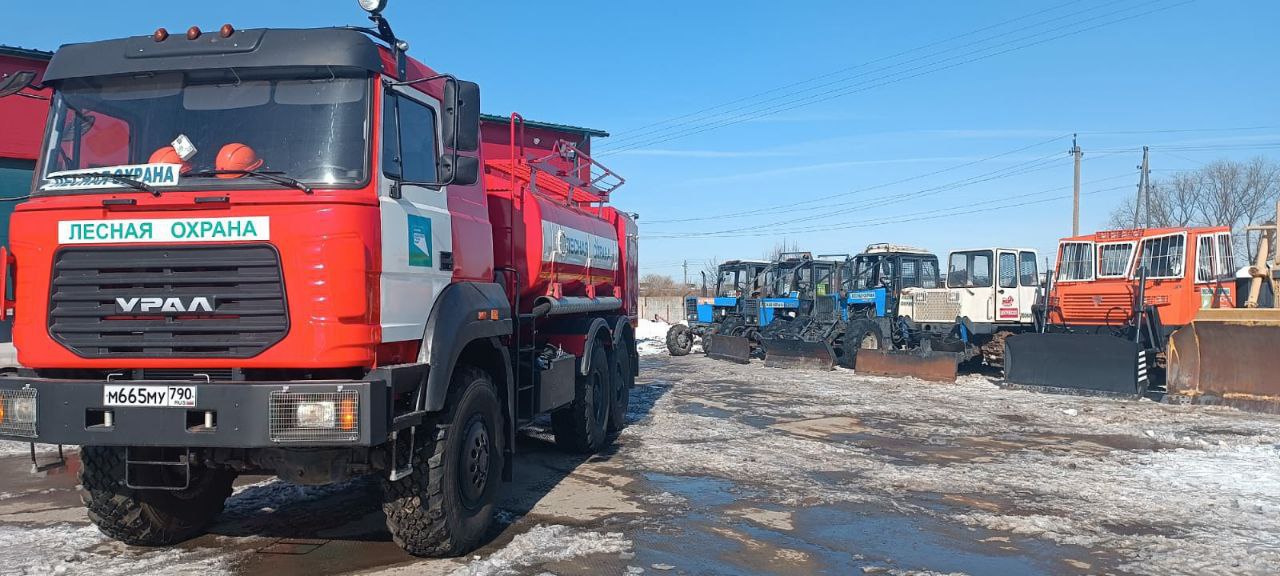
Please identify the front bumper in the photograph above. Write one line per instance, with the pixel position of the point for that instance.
(70, 412)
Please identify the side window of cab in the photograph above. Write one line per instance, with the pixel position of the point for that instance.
(409, 148)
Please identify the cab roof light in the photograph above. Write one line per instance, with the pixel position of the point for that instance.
(193, 33)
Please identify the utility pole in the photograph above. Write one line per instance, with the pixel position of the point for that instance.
(686, 273)
(1075, 210)
(1146, 184)
(1144, 191)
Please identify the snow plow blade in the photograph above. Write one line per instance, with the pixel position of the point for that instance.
(799, 354)
(930, 366)
(1226, 356)
(729, 348)
(1090, 364)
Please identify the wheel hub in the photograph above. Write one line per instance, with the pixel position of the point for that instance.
(475, 461)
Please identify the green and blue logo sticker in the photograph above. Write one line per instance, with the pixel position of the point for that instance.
(419, 241)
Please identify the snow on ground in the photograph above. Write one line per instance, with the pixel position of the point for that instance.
(1168, 489)
(68, 549)
(651, 337)
(543, 544)
(11, 448)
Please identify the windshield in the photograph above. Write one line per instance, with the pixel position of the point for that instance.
(866, 272)
(730, 282)
(164, 130)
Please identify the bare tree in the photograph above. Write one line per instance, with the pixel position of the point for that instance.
(780, 248)
(660, 285)
(1221, 193)
(710, 270)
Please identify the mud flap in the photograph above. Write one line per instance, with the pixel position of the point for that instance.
(799, 354)
(729, 348)
(1227, 360)
(930, 366)
(1078, 363)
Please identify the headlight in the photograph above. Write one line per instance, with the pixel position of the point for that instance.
(23, 411)
(316, 414)
(373, 6)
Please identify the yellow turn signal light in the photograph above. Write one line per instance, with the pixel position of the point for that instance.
(347, 414)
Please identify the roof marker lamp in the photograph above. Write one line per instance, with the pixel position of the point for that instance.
(373, 6)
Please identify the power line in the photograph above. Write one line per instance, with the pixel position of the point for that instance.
(968, 208)
(631, 133)
(929, 68)
(794, 205)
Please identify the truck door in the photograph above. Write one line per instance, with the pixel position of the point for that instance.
(417, 251)
(1028, 284)
(1008, 295)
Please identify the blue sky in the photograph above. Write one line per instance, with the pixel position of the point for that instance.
(939, 124)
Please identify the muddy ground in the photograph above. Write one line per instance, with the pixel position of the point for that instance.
(729, 469)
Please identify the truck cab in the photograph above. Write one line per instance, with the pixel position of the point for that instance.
(985, 289)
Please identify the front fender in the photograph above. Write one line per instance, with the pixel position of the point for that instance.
(454, 323)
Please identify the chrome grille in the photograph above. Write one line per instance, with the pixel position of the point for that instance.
(284, 420)
(934, 307)
(243, 284)
(9, 423)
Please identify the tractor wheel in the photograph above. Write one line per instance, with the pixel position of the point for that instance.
(861, 335)
(679, 340)
(623, 380)
(148, 517)
(445, 507)
(582, 426)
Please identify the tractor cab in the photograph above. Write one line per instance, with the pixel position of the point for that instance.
(720, 312)
(800, 335)
(877, 277)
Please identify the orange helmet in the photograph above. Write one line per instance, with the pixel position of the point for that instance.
(167, 155)
(236, 156)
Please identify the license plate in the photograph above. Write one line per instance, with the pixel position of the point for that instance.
(156, 396)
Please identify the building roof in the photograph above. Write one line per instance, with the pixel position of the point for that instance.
(21, 52)
(548, 126)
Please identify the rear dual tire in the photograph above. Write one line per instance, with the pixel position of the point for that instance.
(582, 426)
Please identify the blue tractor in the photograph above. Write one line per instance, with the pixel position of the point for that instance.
(720, 312)
(808, 317)
(873, 285)
(770, 300)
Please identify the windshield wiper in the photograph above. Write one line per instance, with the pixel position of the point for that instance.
(269, 176)
(127, 181)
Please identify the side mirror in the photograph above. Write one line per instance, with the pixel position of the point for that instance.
(461, 115)
(460, 170)
(16, 82)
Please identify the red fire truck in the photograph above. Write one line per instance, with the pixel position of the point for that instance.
(301, 252)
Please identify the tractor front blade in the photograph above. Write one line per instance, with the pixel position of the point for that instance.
(1226, 356)
(1090, 364)
(729, 348)
(799, 354)
(931, 366)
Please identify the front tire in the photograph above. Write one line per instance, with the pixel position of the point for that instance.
(445, 507)
(861, 335)
(679, 340)
(148, 517)
(581, 426)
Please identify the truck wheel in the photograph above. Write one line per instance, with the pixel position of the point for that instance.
(679, 340)
(623, 380)
(148, 517)
(581, 426)
(445, 507)
(861, 335)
